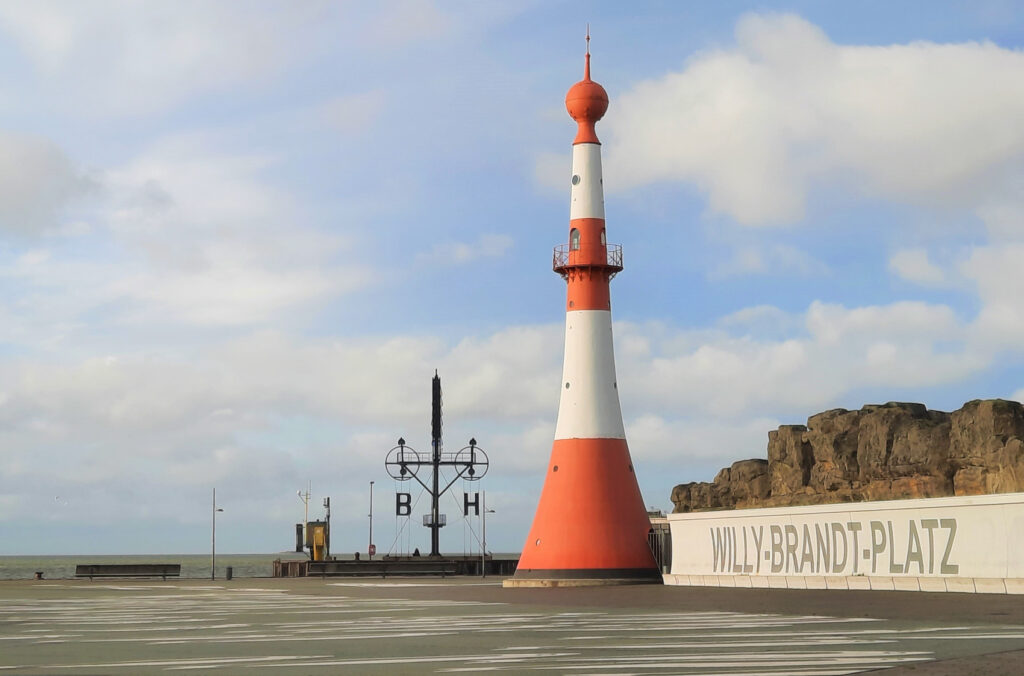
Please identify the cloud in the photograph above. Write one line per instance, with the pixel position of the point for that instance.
(261, 412)
(488, 245)
(1003, 210)
(831, 323)
(902, 346)
(995, 272)
(352, 113)
(755, 126)
(913, 265)
(37, 182)
(128, 58)
(550, 171)
(653, 437)
(406, 22)
(764, 321)
(267, 409)
(202, 237)
(511, 375)
(775, 259)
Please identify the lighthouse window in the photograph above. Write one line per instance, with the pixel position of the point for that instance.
(574, 239)
(602, 237)
(575, 179)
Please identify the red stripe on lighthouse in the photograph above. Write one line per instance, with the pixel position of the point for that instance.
(581, 528)
(587, 266)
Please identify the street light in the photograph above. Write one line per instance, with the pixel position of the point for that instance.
(483, 534)
(369, 550)
(305, 515)
(213, 539)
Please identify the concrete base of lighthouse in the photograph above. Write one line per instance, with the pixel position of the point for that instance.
(583, 578)
(550, 583)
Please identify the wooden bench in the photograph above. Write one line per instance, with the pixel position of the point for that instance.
(163, 570)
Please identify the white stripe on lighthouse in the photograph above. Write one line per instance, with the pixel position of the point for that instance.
(589, 405)
(587, 193)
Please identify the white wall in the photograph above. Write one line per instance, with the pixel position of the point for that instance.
(938, 544)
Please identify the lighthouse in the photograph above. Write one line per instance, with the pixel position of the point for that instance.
(591, 525)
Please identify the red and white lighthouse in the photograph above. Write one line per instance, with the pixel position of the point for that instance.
(591, 525)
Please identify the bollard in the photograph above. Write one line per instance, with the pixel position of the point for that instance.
(228, 575)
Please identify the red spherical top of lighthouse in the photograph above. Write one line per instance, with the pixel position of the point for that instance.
(586, 102)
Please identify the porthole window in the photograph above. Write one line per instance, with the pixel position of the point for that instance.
(574, 240)
(575, 179)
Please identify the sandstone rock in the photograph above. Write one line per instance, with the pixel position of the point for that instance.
(922, 447)
(1002, 472)
(746, 482)
(986, 451)
(703, 497)
(921, 486)
(970, 481)
(981, 425)
(695, 497)
(750, 481)
(833, 439)
(789, 459)
(681, 498)
(885, 430)
(881, 452)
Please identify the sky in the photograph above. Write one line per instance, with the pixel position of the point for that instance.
(238, 238)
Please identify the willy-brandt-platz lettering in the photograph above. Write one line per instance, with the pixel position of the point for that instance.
(911, 547)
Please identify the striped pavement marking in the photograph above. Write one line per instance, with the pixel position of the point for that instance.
(204, 628)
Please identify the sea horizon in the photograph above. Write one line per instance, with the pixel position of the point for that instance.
(193, 566)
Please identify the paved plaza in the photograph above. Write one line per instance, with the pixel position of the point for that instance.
(314, 626)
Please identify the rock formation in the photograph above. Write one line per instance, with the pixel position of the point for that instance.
(881, 452)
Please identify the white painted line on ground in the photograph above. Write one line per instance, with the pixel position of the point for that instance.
(409, 584)
(207, 661)
(401, 660)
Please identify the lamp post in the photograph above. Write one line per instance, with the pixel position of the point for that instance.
(213, 538)
(483, 534)
(369, 549)
(305, 516)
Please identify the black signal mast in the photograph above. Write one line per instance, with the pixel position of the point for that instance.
(404, 463)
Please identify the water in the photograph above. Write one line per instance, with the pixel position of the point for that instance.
(195, 566)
